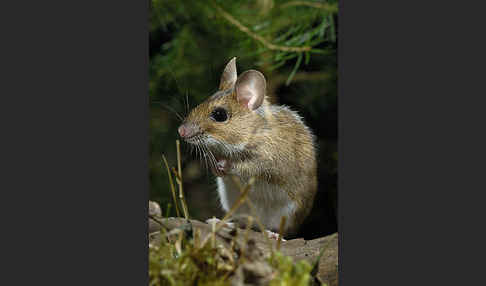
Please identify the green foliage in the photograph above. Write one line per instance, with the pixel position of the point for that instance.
(189, 266)
(260, 32)
(289, 273)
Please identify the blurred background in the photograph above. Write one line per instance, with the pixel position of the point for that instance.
(293, 43)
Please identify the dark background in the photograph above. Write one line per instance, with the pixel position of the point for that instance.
(75, 143)
(190, 43)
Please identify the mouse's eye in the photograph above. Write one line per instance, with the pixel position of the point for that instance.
(219, 114)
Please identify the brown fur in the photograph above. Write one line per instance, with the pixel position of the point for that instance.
(269, 143)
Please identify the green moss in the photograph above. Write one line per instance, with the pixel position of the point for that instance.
(190, 266)
(181, 262)
(290, 273)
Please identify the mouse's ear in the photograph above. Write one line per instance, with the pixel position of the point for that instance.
(250, 89)
(228, 78)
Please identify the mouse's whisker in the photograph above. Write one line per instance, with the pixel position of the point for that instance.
(198, 148)
(203, 152)
(212, 158)
(187, 103)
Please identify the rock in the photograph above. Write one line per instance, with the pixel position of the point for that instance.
(298, 249)
(154, 211)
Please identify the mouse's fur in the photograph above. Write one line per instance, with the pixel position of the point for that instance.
(268, 142)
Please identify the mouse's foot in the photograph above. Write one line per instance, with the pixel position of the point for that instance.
(217, 220)
(273, 235)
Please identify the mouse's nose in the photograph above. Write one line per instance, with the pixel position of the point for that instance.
(182, 130)
(187, 130)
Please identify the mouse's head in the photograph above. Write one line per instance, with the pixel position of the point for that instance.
(226, 122)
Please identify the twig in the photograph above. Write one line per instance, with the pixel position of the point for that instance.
(254, 213)
(171, 185)
(259, 38)
(250, 223)
(159, 222)
(325, 6)
(176, 175)
(181, 192)
(241, 199)
(245, 243)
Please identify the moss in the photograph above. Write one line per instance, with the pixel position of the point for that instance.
(181, 261)
(290, 273)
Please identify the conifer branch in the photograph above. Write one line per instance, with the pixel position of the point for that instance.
(259, 38)
(279, 79)
(325, 6)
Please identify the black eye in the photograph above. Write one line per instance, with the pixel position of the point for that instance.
(219, 114)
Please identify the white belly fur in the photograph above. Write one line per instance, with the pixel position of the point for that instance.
(271, 202)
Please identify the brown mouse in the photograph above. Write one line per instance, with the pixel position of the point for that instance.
(241, 133)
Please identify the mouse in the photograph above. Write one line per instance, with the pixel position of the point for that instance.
(244, 137)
